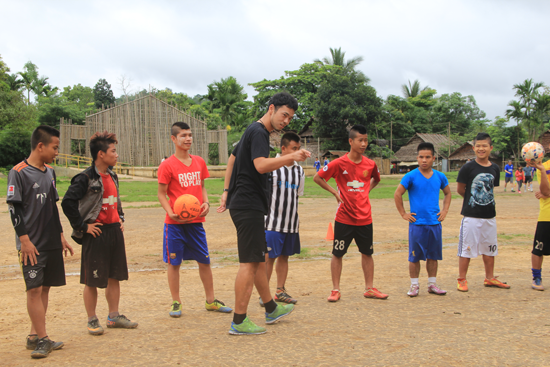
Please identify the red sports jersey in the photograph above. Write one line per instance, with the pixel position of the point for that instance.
(353, 182)
(109, 208)
(183, 180)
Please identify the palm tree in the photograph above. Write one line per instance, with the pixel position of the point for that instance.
(27, 81)
(516, 113)
(14, 82)
(413, 90)
(337, 57)
(223, 95)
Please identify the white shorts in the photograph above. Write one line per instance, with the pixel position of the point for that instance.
(478, 236)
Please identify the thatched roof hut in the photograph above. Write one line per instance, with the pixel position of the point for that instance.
(465, 152)
(406, 156)
(544, 139)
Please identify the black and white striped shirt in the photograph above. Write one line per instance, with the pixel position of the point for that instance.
(288, 184)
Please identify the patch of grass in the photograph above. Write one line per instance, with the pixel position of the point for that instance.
(142, 206)
(233, 259)
(305, 253)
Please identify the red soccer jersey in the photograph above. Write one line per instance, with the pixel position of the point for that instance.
(109, 208)
(183, 180)
(353, 182)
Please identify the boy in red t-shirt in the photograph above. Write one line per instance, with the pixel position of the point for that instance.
(92, 204)
(180, 174)
(355, 176)
(519, 177)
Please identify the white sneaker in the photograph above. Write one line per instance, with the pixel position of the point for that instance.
(413, 290)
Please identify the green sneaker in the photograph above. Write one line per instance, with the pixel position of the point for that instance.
(44, 347)
(247, 327)
(32, 342)
(121, 321)
(280, 312)
(217, 306)
(175, 310)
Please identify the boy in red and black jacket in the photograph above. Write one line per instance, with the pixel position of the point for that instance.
(92, 205)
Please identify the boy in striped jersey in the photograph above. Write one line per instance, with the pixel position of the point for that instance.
(281, 222)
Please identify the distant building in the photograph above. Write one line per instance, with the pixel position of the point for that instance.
(460, 156)
(405, 158)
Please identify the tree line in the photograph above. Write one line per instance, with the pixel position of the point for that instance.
(332, 96)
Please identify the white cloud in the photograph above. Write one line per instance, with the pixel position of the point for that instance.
(472, 47)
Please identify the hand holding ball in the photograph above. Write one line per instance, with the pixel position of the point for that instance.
(187, 207)
(532, 151)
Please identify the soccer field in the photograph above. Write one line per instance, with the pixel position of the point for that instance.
(485, 326)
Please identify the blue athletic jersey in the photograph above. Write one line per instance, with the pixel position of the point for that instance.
(508, 170)
(424, 195)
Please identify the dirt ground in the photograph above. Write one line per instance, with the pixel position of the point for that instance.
(485, 326)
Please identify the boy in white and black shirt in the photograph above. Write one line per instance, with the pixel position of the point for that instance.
(281, 222)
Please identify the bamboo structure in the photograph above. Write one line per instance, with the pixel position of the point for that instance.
(142, 127)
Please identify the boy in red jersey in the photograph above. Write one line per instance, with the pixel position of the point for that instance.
(355, 176)
(92, 205)
(180, 174)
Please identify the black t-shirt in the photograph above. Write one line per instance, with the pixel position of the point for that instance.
(35, 190)
(479, 201)
(248, 189)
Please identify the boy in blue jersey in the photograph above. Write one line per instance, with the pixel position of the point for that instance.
(509, 175)
(317, 164)
(425, 243)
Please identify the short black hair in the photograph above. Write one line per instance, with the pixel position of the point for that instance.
(483, 136)
(101, 142)
(283, 99)
(425, 146)
(288, 137)
(357, 129)
(178, 126)
(43, 134)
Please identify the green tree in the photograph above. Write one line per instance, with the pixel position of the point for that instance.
(342, 101)
(13, 81)
(303, 84)
(338, 57)
(103, 95)
(4, 69)
(456, 114)
(412, 90)
(225, 97)
(525, 110)
(17, 120)
(29, 75)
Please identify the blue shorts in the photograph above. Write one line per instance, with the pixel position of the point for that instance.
(278, 243)
(425, 243)
(184, 242)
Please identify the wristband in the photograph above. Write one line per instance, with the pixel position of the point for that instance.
(206, 202)
(224, 190)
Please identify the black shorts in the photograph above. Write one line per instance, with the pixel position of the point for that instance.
(541, 243)
(528, 179)
(345, 233)
(103, 257)
(49, 271)
(251, 240)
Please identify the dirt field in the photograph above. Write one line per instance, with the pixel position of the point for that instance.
(482, 327)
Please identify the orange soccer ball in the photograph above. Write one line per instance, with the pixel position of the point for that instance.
(187, 207)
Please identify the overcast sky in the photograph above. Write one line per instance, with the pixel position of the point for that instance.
(477, 47)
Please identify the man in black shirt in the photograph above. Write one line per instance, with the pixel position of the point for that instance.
(32, 198)
(246, 196)
(478, 231)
